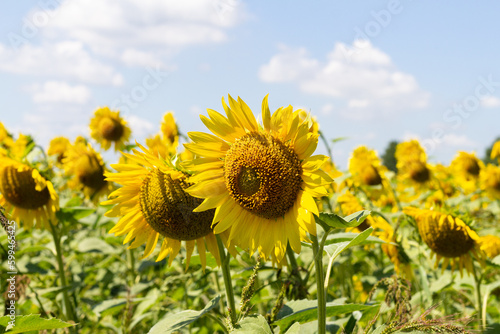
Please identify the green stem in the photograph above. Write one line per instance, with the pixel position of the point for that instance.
(131, 264)
(327, 146)
(62, 276)
(318, 263)
(294, 267)
(226, 273)
(478, 292)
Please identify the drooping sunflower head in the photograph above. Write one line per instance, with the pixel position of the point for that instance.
(466, 168)
(489, 180)
(364, 166)
(86, 168)
(412, 162)
(262, 180)
(153, 202)
(107, 127)
(59, 146)
(169, 129)
(27, 195)
(447, 236)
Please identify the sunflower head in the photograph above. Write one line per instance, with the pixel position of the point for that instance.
(6, 140)
(489, 181)
(31, 198)
(495, 150)
(447, 236)
(466, 168)
(261, 179)
(153, 203)
(364, 166)
(169, 129)
(107, 127)
(58, 146)
(86, 168)
(412, 162)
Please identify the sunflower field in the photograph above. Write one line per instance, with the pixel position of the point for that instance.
(243, 228)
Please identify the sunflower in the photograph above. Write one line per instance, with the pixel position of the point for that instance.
(152, 202)
(6, 140)
(59, 146)
(169, 129)
(262, 180)
(466, 168)
(26, 194)
(108, 127)
(365, 167)
(489, 181)
(350, 204)
(160, 147)
(86, 168)
(490, 245)
(448, 237)
(412, 163)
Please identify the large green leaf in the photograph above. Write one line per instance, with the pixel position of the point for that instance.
(32, 322)
(112, 305)
(311, 313)
(335, 249)
(336, 221)
(93, 244)
(253, 325)
(173, 322)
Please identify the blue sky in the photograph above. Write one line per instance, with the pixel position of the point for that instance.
(369, 71)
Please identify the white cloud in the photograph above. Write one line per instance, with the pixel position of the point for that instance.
(141, 128)
(60, 92)
(109, 26)
(367, 82)
(490, 102)
(459, 141)
(134, 57)
(61, 60)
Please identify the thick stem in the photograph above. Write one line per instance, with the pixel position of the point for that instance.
(318, 263)
(62, 276)
(294, 267)
(478, 292)
(226, 273)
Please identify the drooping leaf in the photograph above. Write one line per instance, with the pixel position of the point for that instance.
(335, 221)
(334, 250)
(32, 322)
(173, 322)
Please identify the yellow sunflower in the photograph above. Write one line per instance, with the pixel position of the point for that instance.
(412, 163)
(86, 168)
(489, 180)
(262, 180)
(490, 245)
(365, 167)
(152, 202)
(350, 204)
(160, 147)
(59, 146)
(108, 127)
(27, 195)
(6, 140)
(466, 168)
(448, 237)
(169, 129)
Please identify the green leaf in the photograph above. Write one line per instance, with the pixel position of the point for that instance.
(32, 322)
(335, 221)
(79, 212)
(112, 305)
(173, 322)
(348, 236)
(253, 325)
(335, 249)
(94, 244)
(294, 329)
(311, 313)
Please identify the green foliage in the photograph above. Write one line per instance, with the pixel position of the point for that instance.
(389, 158)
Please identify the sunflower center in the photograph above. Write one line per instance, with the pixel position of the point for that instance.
(371, 176)
(419, 172)
(90, 172)
(168, 209)
(263, 174)
(472, 167)
(18, 188)
(446, 239)
(111, 129)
